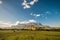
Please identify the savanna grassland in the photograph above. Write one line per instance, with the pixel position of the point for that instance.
(29, 35)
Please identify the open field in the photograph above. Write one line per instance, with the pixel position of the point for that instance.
(29, 35)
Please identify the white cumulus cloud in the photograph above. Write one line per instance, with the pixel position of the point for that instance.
(26, 4)
(9, 24)
(36, 15)
(32, 2)
(26, 22)
(34, 21)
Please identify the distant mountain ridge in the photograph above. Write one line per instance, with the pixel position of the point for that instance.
(30, 25)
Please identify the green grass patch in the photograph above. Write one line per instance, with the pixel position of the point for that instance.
(29, 35)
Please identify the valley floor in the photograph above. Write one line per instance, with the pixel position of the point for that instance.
(29, 35)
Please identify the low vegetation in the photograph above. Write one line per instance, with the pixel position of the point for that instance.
(29, 35)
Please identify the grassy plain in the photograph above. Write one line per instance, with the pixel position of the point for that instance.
(29, 35)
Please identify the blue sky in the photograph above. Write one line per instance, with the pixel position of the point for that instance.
(46, 12)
